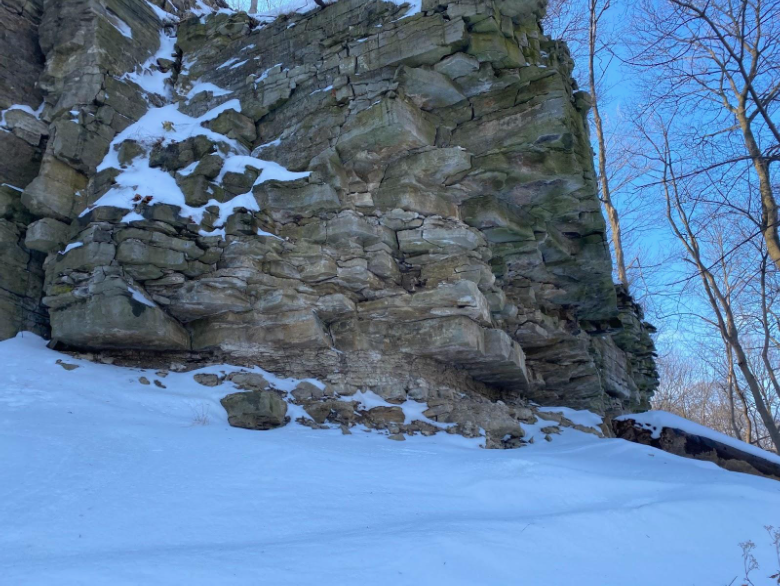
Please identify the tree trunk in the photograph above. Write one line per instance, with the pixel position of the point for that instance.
(731, 381)
(606, 196)
(755, 390)
(768, 202)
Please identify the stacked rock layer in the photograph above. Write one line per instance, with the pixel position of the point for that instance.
(385, 200)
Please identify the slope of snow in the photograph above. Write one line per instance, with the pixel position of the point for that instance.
(655, 420)
(147, 76)
(164, 17)
(107, 480)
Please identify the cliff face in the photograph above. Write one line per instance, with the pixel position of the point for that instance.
(21, 147)
(375, 197)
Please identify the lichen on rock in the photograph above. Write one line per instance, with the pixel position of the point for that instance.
(394, 202)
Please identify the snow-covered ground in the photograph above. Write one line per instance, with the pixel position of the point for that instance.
(106, 480)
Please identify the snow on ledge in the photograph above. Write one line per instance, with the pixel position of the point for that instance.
(655, 420)
(164, 125)
(585, 418)
(23, 107)
(71, 247)
(138, 296)
(165, 17)
(199, 87)
(299, 7)
(120, 25)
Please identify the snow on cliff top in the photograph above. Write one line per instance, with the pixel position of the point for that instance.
(105, 480)
(276, 8)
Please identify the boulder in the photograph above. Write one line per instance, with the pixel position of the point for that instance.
(248, 381)
(235, 125)
(306, 391)
(247, 333)
(382, 417)
(421, 42)
(209, 380)
(209, 296)
(27, 127)
(437, 236)
(497, 49)
(287, 200)
(21, 161)
(260, 410)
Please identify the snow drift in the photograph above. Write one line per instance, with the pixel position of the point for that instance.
(108, 480)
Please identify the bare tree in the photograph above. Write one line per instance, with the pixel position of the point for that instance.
(719, 61)
(704, 391)
(681, 387)
(695, 214)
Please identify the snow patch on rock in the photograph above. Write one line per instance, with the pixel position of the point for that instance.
(656, 420)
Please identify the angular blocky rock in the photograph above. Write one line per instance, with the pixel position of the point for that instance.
(46, 235)
(260, 410)
(405, 206)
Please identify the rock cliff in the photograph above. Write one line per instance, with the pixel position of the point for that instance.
(380, 196)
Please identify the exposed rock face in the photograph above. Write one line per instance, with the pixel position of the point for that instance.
(686, 444)
(418, 215)
(22, 139)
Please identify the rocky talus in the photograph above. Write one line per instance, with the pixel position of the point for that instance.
(381, 198)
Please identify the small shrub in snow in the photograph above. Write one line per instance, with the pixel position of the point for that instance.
(201, 417)
(749, 561)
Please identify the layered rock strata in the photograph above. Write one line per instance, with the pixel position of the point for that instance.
(384, 200)
(22, 142)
